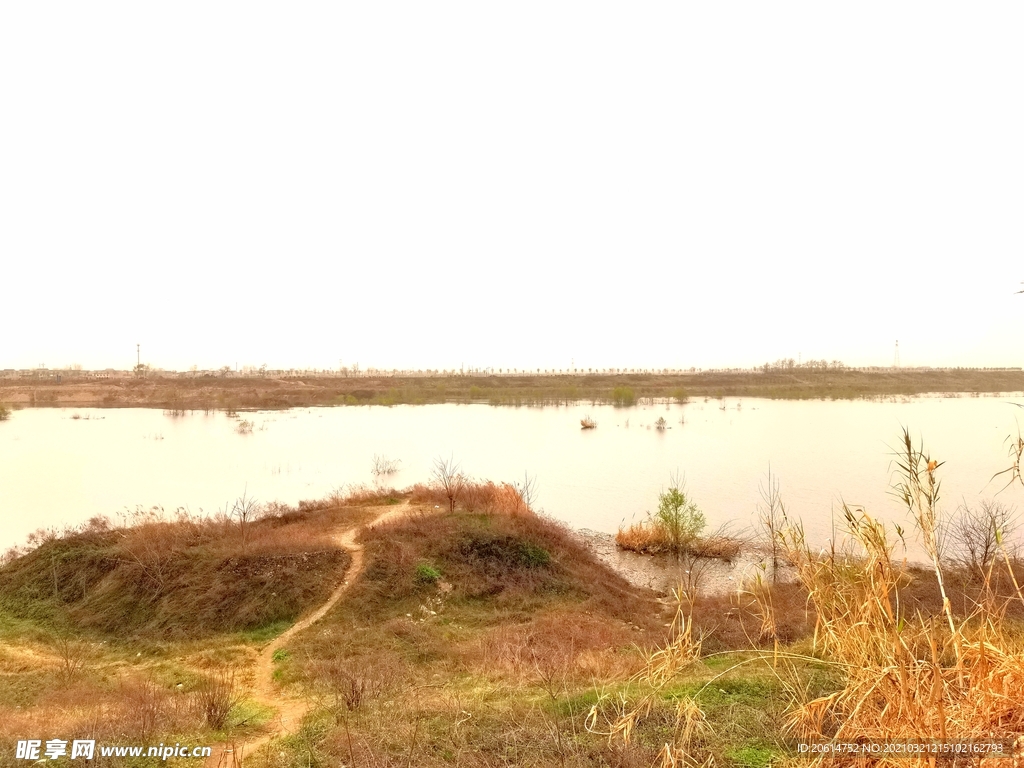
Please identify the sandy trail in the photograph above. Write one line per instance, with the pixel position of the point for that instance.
(291, 709)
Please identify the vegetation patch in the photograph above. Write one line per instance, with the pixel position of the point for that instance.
(623, 396)
(482, 634)
(179, 577)
(427, 574)
(784, 379)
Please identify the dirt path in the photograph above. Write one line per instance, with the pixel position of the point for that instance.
(290, 708)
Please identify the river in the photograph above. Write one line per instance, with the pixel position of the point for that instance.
(60, 467)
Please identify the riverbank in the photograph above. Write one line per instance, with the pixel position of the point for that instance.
(381, 628)
(257, 392)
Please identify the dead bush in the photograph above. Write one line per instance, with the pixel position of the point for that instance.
(348, 684)
(72, 654)
(976, 534)
(215, 697)
(145, 708)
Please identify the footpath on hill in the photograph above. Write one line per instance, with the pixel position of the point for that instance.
(290, 709)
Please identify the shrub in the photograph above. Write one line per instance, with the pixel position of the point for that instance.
(977, 535)
(427, 574)
(215, 697)
(676, 528)
(5, 413)
(504, 551)
(623, 396)
(679, 517)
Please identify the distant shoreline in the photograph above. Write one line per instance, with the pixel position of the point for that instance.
(212, 392)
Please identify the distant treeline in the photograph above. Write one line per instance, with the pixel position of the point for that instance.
(776, 380)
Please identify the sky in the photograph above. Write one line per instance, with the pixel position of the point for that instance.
(530, 184)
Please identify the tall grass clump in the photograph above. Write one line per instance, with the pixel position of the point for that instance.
(5, 413)
(619, 719)
(895, 672)
(903, 676)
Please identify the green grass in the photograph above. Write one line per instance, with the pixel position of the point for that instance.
(727, 692)
(427, 574)
(265, 633)
(575, 703)
(249, 713)
(752, 755)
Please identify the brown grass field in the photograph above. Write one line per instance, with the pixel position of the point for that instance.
(491, 636)
(211, 392)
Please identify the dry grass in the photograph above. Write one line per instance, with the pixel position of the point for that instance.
(651, 538)
(488, 662)
(905, 676)
(183, 575)
(489, 636)
(117, 632)
(497, 498)
(136, 709)
(215, 697)
(900, 668)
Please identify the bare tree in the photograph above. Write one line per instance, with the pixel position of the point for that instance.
(245, 510)
(771, 516)
(448, 476)
(72, 657)
(977, 533)
(527, 490)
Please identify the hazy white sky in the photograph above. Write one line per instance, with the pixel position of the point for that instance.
(514, 184)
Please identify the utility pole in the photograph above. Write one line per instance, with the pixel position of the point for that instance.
(138, 356)
(896, 357)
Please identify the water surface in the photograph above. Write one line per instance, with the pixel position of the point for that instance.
(56, 469)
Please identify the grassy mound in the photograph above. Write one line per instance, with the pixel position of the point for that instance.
(183, 577)
(476, 612)
(492, 564)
